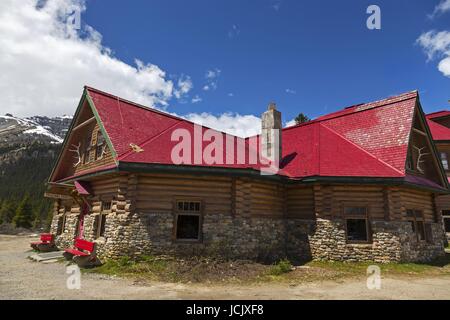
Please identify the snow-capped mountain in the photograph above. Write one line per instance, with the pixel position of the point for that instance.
(15, 130)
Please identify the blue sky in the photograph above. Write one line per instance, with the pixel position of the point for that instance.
(221, 62)
(319, 51)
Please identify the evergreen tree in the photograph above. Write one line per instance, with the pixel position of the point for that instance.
(8, 211)
(301, 118)
(1, 206)
(24, 214)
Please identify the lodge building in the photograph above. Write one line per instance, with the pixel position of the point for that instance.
(360, 184)
(439, 123)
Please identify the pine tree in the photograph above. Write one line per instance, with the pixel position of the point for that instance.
(301, 118)
(1, 206)
(24, 214)
(8, 211)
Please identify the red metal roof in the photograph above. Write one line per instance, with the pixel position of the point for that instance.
(438, 131)
(367, 140)
(438, 114)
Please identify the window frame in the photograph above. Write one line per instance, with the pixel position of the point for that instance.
(102, 208)
(443, 156)
(102, 145)
(365, 217)
(414, 219)
(101, 218)
(87, 149)
(178, 213)
(444, 221)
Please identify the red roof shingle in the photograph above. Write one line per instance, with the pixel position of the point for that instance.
(367, 140)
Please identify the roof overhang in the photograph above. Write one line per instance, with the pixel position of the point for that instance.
(132, 167)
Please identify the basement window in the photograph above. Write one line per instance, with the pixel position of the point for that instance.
(415, 217)
(357, 224)
(357, 230)
(188, 220)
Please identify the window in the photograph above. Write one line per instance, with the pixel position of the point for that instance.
(421, 230)
(428, 233)
(62, 224)
(101, 224)
(87, 149)
(188, 227)
(188, 220)
(101, 144)
(357, 224)
(415, 217)
(444, 160)
(446, 216)
(106, 205)
(188, 206)
(447, 224)
(357, 230)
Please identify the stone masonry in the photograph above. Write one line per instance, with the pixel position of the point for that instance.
(262, 239)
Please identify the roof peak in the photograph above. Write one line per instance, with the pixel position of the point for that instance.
(361, 107)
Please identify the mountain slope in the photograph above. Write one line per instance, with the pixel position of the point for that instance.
(28, 150)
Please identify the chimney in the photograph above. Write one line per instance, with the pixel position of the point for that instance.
(271, 133)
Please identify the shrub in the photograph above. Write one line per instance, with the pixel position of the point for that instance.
(283, 266)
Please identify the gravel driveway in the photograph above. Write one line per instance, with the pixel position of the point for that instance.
(20, 278)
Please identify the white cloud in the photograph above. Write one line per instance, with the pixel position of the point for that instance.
(45, 61)
(291, 91)
(437, 45)
(231, 94)
(234, 31)
(276, 5)
(184, 86)
(196, 99)
(442, 7)
(212, 80)
(232, 123)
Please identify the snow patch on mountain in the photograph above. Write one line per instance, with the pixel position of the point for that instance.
(36, 126)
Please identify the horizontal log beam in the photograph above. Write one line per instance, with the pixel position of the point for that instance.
(83, 124)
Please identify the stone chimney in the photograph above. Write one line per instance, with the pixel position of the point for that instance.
(271, 131)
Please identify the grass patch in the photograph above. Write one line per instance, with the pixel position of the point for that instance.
(440, 266)
(206, 270)
(281, 267)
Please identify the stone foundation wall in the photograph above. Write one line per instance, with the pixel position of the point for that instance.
(137, 234)
(262, 239)
(392, 241)
(65, 239)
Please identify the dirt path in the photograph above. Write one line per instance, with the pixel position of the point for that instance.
(20, 278)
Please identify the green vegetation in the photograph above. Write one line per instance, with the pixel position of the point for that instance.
(283, 266)
(27, 176)
(438, 266)
(195, 269)
(301, 118)
(24, 216)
